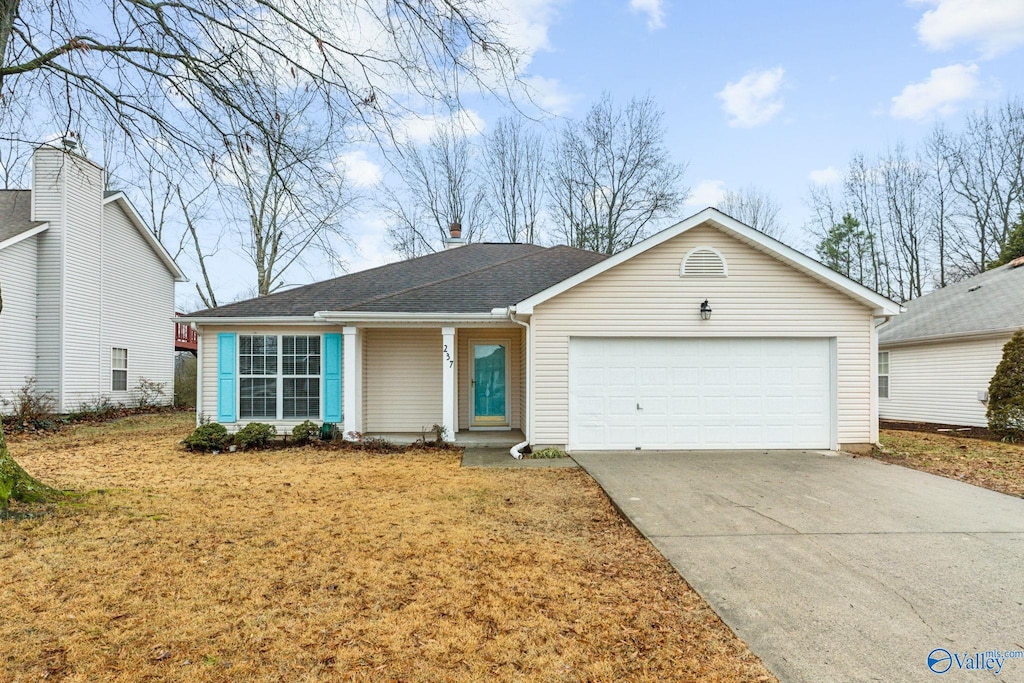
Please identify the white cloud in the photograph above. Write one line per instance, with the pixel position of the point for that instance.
(654, 9)
(360, 170)
(419, 129)
(940, 93)
(521, 24)
(754, 99)
(825, 176)
(706, 193)
(548, 94)
(994, 26)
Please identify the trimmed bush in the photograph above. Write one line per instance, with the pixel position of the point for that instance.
(305, 432)
(546, 453)
(255, 435)
(207, 437)
(1006, 392)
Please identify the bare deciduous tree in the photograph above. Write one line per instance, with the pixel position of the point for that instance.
(283, 180)
(169, 70)
(440, 187)
(515, 166)
(754, 207)
(611, 178)
(987, 162)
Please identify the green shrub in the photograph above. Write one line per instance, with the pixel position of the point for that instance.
(207, 437)
(255, 435)
(1006, 392)
(547, 453)
(305, 432)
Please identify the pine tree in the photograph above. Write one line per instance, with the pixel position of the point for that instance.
(1006, 392)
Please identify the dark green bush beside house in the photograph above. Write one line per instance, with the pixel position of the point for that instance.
(1006, 392)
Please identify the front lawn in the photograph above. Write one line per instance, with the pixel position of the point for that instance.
(991, 464)
(302, 565)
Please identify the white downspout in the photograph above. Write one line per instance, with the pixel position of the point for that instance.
(516, 451)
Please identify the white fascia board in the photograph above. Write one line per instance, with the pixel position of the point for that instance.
(878, 303)
(21, 236)
(122, 200)
(376, 317)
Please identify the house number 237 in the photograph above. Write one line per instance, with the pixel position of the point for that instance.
(448, 356)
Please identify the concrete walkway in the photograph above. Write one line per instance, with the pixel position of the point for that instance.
(835, 568)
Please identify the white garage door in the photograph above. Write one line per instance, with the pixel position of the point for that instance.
(699, 393)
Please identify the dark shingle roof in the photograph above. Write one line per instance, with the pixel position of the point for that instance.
(470, 279)
(15, 213)
(988, 302)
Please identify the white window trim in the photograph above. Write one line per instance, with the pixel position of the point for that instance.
(682, 266)
(280, 377)
(887, 374)
(115, 369)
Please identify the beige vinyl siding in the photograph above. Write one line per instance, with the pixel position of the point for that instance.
(207, 408)
(48, 205)
(646, 297)
(137, 308)
(401, 379)
(83, 293)
(939, 382)
(514, 336)
(18, 318)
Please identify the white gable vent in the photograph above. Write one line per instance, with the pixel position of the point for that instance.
(704, 262)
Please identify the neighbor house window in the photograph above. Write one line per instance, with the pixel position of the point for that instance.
(118, 369)
(279, 377)
(883, 374)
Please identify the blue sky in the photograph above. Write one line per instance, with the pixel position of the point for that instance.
(776, 95)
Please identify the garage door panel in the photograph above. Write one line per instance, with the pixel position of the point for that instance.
(700, 393)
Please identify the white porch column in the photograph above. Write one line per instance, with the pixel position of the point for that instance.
(352, 380)
(448, 380)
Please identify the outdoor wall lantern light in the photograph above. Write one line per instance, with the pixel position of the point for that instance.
(705, 310)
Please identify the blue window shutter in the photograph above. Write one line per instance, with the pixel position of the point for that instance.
(226, 376)
(332, 378)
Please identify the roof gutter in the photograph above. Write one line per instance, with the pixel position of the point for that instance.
(494, 315)
(960, 336)
(249, 320)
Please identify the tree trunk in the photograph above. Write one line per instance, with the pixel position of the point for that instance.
(16, 484)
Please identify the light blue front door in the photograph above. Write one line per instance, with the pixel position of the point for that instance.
(489, 387)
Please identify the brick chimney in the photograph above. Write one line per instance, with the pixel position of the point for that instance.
(456, 236)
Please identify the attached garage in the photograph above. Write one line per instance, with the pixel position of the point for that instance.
(708, 335)
(700, 393)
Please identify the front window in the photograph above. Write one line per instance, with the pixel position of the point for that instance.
(279, 377)
(301, 364)
(883, 374)
(118, 369)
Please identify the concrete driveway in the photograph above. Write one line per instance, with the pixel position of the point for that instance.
(835, 568)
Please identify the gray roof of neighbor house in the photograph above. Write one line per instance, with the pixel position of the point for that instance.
(471, 279)
(15, 213)
(990, 302)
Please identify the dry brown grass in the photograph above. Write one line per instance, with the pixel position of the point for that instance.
(304, 565)
(991, 464)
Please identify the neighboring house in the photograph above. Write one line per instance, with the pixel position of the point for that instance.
(88, 291)
(570, 347)
(936, 360)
